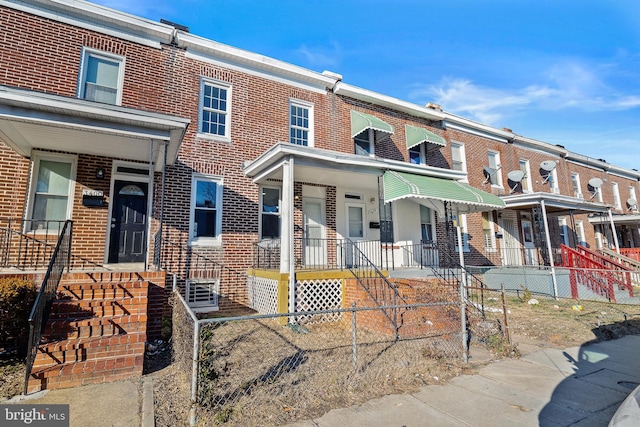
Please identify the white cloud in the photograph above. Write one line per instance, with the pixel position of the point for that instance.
(325, 56)
(568, 85)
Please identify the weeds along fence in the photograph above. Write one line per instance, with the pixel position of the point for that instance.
(275, 369)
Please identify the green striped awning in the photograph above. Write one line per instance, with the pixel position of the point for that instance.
(362, 121)
(416, 136)
(401, 185)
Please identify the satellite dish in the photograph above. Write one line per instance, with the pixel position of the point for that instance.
(548, 165)
(633, 204)
(516, 175)
(595, 183)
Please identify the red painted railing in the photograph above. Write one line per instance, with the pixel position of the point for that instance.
(597, 273)
(633, 253)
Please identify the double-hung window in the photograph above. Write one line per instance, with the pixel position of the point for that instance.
(416, 155)
(52, 192)
(270, 213)
(525, 167)
(463, 231)
(215, 109)
(458, 160)
(616, 195)
(426, 224)
(632, 202)
(487, 232)
(495, 174)
(301, 123)
(101, 77)
(206, 210)
(363, 143)
(575, 182)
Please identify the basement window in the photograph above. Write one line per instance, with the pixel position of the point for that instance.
(202, 294)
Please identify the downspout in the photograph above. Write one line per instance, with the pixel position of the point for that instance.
(164, 180)
(613, 230)
(548, 238)
(149, 201)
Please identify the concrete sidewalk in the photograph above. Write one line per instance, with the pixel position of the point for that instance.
(578, 386)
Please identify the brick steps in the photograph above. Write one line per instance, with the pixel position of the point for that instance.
(96, 331)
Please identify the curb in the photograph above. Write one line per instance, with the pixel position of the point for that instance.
(148, 416)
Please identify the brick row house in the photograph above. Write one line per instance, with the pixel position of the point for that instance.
(254, 182)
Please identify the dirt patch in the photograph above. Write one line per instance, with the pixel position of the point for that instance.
(11, 378)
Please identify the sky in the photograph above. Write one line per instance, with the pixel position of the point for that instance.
(564, 72)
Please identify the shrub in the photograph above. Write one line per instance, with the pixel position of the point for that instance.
(16, 300)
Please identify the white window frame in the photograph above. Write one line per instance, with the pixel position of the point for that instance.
(87, 53)
(420, 148)
(278, 214)
(527, 175)
(492, 245)
(463, 159)
(54, 157)
(553, 181)
(582, 240)
(464, 231)
(564, 231)
(632, 195)
(430, 224)
(211, 304)
(599, 197)
(309, 107)
(204, 81)
(575, 182)
(205, 241)
(371, 138)
(616, 195)
(495, 155)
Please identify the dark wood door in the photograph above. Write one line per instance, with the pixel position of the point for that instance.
(128, 222)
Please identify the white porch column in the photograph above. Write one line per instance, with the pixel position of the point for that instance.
(549, 251)
(287, 258)
(613, 231)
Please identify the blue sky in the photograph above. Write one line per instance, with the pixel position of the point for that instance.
(565, 72)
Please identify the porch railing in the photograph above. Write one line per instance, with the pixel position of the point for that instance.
(59, 261)
(28, 244)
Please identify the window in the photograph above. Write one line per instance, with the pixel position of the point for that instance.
(495, 176)
(386, 224)
(616, 195)
(200, 294)
(363, 143)
(487, 231)
(526, 181)
(270, 213)
(355, 215)
(458, 161)
(416, 155)
(215, 107)
(54, 178)
(206, 209)
(632, 198)
(580, 233)
(575, 182)
(553, 181)
(598, 194)
(463, 230)
(301, 123)
(564, 231)
(426, 224)
(101, 77)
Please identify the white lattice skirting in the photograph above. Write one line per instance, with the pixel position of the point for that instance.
(323, 294)
(263, 294)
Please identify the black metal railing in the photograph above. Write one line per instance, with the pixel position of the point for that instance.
(60, 260)
(28, 244)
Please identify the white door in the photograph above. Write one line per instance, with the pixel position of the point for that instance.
(510, 245)
(315, 245)
(527, 242)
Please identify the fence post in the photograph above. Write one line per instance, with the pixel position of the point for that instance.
(354, 337)
(506, 316)
(463, 319)
(194, 373)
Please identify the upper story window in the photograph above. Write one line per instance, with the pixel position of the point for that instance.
(632, 199)
(301, 123)
(525, 167)
(552, 178)
(52, 191)
(616, 195)
(363, 143)
(416, 155)
(270, 226)
(215, 109)
(575, 182)
(101, 77)
(458, 160)
(206, 210)
(495, 175)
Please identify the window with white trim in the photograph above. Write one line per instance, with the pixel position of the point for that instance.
(525, 167)
(575, 182)
(202, 293)
(206, 210)
(582, 240)
(487, 231)
(553, 181)
(616, 195)
(271, 215)
(363, 143)
(417, 155)
(495, 177)
(53, 183)
(564, 231)
(301, 123)
(426, 224)
(458, 160)
(463, 231)
(632, 197)
(101, 77)
(214, 118)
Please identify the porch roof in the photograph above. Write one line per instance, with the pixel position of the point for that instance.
(433, 192)
(554, 203)
(32, 120)
(618, 219)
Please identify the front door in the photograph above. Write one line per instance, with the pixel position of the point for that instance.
(315, 245)
(355, 233)
(527, 242)
(127, 241)
(511, 246)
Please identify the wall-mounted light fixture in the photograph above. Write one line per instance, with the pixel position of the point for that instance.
(100, 173)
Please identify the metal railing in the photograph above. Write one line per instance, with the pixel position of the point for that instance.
(59, 261)
(28, 244)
